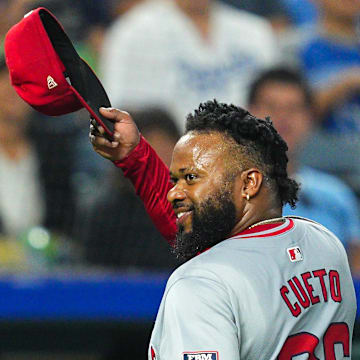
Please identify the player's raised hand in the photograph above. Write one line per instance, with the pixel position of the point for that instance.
(126, 135)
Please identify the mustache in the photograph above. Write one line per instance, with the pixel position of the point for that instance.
(180, 204)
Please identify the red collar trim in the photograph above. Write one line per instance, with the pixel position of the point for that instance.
(264, 230)
(259, 228)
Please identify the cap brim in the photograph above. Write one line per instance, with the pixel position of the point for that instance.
(92, 95)
(81, 78)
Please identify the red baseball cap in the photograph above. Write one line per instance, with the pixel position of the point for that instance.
(48, 73)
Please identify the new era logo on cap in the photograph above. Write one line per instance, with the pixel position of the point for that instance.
(294, 254)
(51, 83)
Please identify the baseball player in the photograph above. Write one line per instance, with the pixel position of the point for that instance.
(256, 285)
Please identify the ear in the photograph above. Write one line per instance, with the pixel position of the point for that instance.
(251, 183)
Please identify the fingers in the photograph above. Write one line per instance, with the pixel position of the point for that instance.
(96, 135)
(99, 141)
(121, 118)
(114, 114)
(125, 136)
(95, 129)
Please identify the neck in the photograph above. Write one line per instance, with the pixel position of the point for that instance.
(250, 219)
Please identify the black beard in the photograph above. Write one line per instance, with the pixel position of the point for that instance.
(212, 222)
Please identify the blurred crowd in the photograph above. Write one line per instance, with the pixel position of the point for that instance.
(297, 61)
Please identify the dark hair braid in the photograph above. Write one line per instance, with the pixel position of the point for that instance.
(260, 140)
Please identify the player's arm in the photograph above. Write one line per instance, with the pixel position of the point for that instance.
(198, 319)
(140, 163)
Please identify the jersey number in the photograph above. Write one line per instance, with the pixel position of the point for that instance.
(305, 343)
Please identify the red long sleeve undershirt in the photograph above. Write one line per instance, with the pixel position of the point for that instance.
(151, 179)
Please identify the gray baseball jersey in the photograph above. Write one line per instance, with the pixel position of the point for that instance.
(273, 292)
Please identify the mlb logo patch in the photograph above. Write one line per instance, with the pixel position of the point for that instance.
(201, 355)
(295, 254)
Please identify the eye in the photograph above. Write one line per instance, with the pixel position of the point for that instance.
(190, 177)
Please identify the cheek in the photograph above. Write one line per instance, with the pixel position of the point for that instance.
(197, 195)
(203, 190)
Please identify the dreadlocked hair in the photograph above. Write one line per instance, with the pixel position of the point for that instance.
(258, 139)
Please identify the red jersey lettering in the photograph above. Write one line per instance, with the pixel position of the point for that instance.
(303, 290)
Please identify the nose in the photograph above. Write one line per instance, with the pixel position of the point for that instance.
(176, 193)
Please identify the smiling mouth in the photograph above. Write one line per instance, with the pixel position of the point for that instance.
(182, 216)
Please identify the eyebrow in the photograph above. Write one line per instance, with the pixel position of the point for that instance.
(182, 170)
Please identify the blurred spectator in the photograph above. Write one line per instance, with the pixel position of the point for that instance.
(35, 166)
(21, 197)
(331, 61)
(329, 54)
(97, 17)
(47, 195)
(54, 140)
(301, 13)
(178, 53)
(120, 7)
(283, 95)
(91, 45)
(273, 10)
(128, 240)
(160, 130)
(11, 12)
(98, 12)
